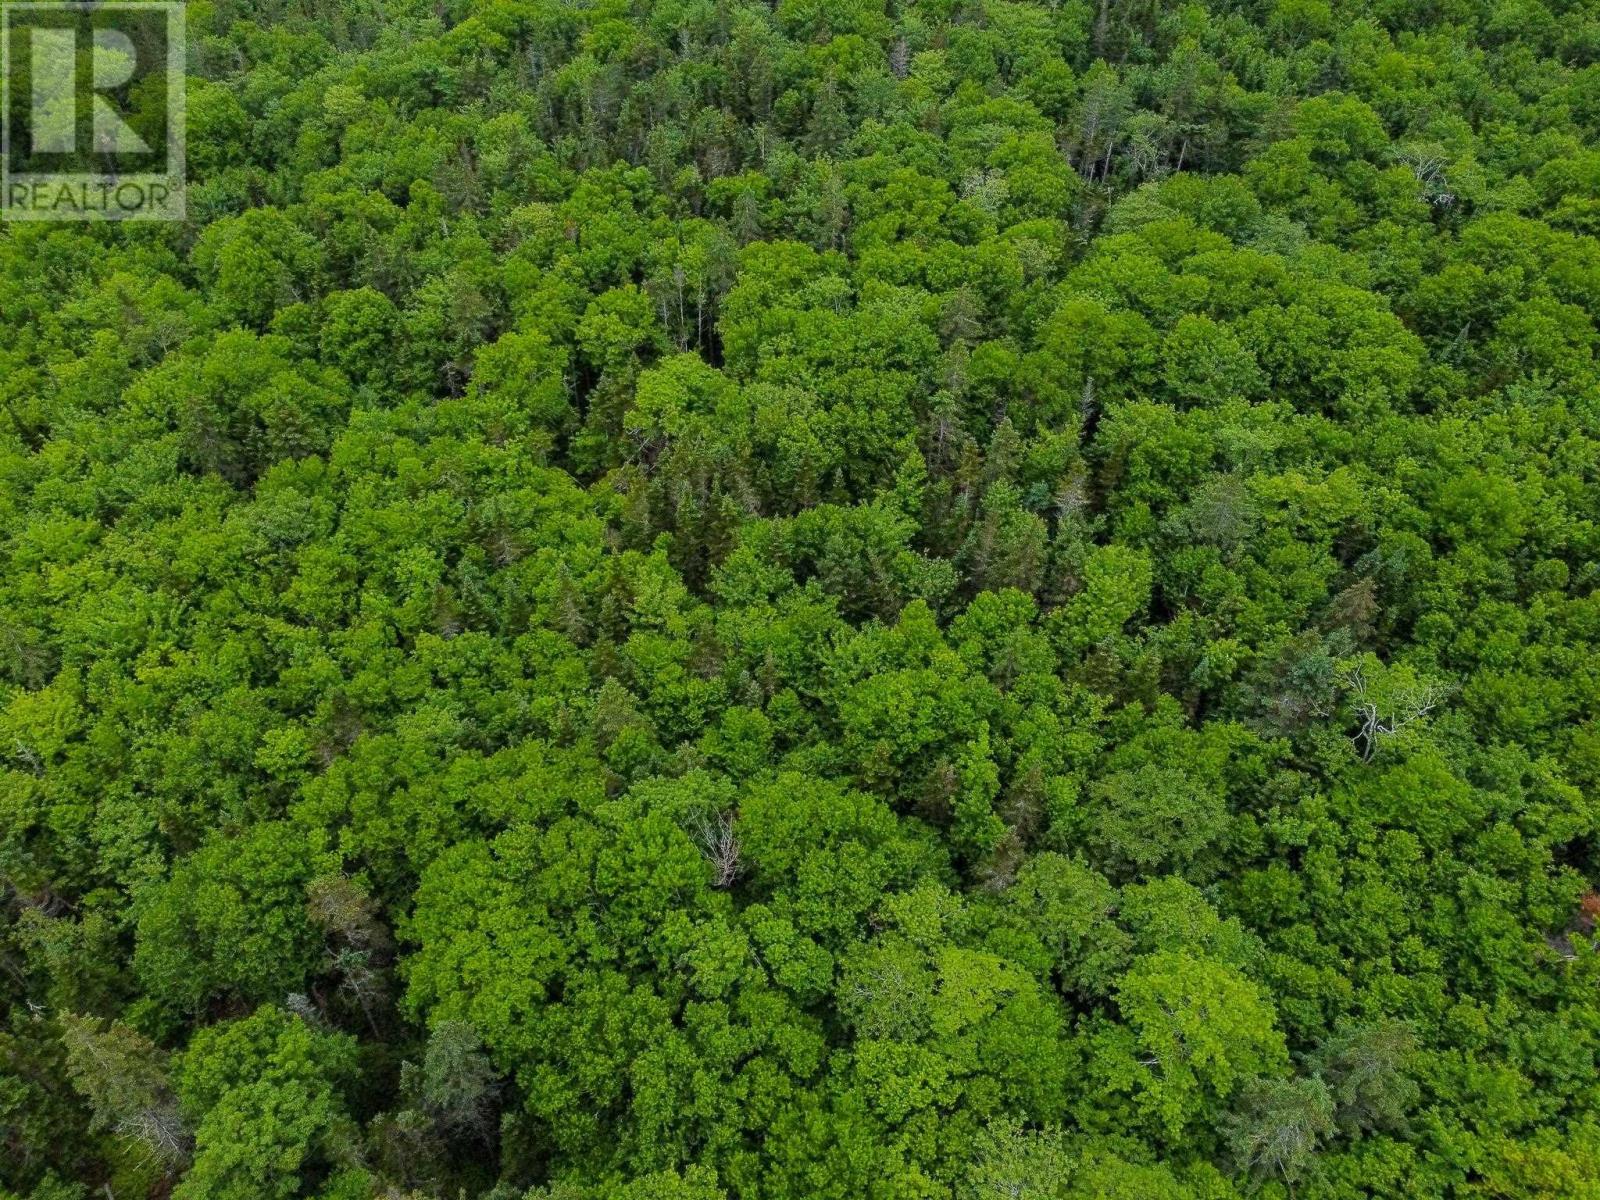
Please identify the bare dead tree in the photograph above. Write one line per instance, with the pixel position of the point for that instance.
(122, 1075)
(900, 58)
(160, 1130)
(358, 943)
(1429, 167)
(1383, 717)
(714, 833)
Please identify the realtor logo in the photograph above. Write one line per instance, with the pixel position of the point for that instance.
(93, 98)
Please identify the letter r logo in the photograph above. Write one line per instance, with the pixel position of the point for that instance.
(54, 126)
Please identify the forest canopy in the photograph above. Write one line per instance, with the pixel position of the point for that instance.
(827, 600)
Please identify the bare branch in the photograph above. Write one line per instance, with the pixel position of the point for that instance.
(718, 842)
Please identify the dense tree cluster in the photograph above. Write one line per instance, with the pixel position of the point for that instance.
(704, 600)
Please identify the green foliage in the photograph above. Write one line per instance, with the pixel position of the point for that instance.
(1198, 1028)
(263, 1093)
(820, 600)
(231, 922)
